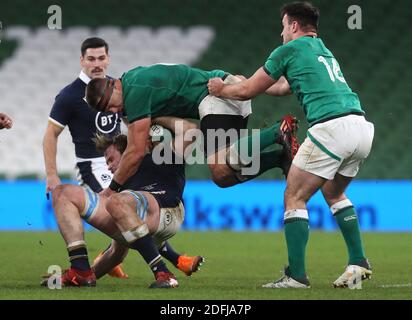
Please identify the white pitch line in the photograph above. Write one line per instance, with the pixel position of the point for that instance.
(401, 285)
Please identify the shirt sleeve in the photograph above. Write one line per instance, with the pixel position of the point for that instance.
(138, 103)
(277, 63)
(61, 111)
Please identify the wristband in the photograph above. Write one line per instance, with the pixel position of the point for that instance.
(115, 186)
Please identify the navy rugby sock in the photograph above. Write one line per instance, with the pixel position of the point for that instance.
(148, 250)
(167, 252)
(78, 258)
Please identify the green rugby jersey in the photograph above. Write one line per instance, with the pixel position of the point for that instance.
(315, 78)
(165, 90)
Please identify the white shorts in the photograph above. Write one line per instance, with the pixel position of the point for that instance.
(214, 105)
(336, 146)
(169, 223)
(93, 173)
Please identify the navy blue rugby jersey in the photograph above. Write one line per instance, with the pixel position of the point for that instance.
(165, 181)
(70, 109)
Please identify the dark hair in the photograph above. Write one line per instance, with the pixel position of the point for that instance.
(98, 93)
(103, 142)
(93, 43)
(303, 12)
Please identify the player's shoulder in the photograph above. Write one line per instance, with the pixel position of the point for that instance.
(73, 91)
(296, 46)
(283, 51)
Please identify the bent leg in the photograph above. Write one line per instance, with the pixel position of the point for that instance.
(129, 210)
(91, 208)
(67, 204)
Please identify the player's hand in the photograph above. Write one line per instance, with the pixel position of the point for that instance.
(5, 121)
(215, 86)
(52, 182)
(106, 192)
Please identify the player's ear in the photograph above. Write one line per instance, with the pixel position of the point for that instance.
(295, 26)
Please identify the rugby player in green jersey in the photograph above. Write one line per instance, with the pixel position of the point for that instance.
(338, 140)
(161, 91)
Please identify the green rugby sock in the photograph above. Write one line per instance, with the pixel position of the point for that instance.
(347, 220)
(267, 137)
(268, 160)
(297, 235)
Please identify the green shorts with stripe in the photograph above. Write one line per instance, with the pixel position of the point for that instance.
(336, 146)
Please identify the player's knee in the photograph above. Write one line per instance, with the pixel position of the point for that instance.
(295, 197)
(331, 199)
(117, 204)
(64, 194)
(61, 192)
(220, 182)
(113, 205)
(223, 177)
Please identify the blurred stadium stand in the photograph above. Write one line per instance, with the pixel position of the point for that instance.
(233, 35)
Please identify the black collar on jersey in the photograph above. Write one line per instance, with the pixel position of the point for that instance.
(106, 95)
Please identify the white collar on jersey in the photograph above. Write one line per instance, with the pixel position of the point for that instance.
(84, 77)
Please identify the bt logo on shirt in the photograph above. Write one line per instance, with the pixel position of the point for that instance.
(107, 122)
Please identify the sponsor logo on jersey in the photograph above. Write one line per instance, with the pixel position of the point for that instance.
(107, 122)
(105, 177)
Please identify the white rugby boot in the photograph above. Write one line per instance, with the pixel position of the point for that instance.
(352, 275)
(286, 281)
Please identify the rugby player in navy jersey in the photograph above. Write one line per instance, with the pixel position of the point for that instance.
(143, 216)
(70, 109)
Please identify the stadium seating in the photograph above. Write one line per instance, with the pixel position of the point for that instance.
(35, 74)
(230, 35)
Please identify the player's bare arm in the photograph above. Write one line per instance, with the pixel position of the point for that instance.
(243, 90)
(280, 88)
(49, 152)
(138, 132)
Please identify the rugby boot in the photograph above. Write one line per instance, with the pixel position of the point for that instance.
(164, 280)
(287, 136)
(286, 281)
(189, 265)
(352, 272)
(74, 278)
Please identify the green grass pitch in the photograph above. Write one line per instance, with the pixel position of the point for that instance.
(237, 264)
